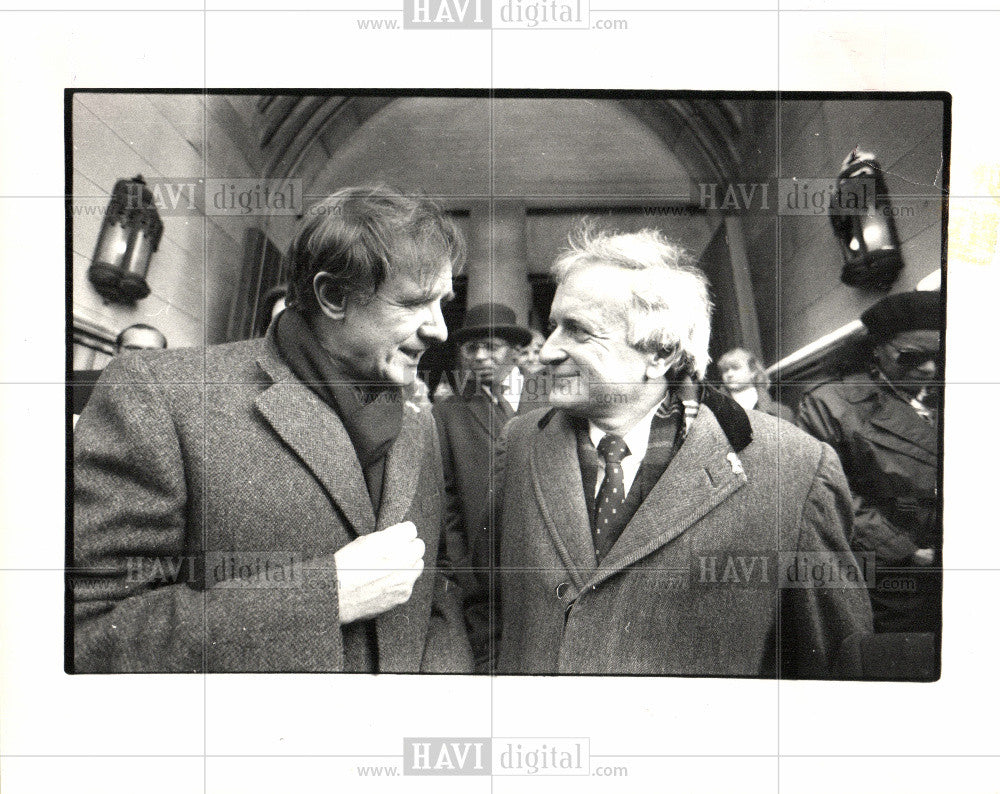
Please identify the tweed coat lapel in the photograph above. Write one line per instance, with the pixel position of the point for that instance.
(316, 434)
(402, 470)
(558, 486)
(402, 473)
(533, 394)
(702, 474)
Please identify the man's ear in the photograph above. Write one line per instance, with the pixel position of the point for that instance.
(659, 363)
(331, 299)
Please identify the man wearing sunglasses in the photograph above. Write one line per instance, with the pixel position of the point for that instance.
(884, 425)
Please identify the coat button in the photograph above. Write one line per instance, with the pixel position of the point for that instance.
(561, 589)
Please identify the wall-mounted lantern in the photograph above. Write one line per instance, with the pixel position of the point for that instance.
(862, 218)
(130, 234)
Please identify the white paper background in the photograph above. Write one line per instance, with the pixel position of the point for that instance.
(225, 734)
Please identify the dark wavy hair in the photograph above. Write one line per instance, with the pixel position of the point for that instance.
(363, 235)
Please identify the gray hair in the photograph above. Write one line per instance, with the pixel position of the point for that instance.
(670, 309)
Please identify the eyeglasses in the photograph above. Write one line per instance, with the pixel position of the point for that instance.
(492, 347)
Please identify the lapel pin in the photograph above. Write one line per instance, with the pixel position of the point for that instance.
(735, 462)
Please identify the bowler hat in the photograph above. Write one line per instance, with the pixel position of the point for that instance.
(904, 311)
(492, 319)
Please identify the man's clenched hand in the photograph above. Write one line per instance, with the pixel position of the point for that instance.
(377, 572)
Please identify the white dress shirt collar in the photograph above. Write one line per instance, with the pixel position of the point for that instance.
(747, 398)
(637, 440)
(511, 388)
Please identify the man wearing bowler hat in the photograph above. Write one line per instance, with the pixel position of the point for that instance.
(136, 337)
(469, 424)
(883, 423)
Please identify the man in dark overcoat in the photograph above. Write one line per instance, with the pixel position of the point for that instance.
(469, 424)
(883, 423)
(268, 505)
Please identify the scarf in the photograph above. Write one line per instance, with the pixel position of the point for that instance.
(372, 417)
(667, 432)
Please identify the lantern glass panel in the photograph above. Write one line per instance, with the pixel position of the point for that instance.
(139, 252)
(113, 244)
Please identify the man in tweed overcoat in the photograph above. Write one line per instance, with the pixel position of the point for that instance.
(269, 505)
(648, 524)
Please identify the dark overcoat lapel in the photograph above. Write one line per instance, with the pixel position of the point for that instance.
(904, 431)
(481, 409)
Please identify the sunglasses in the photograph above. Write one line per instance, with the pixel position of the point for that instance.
(911, 359)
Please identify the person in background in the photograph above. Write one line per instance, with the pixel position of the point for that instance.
(883, 422)
(135, 337)
(267, 505)
(527, 359)
(271, 305)
(623, 509)
(469, 424)
(746, 381)
(140, 337)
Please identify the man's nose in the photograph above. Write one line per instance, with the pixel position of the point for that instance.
(551, 353)
(435, 327)
(928, 368)
(481, 353)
